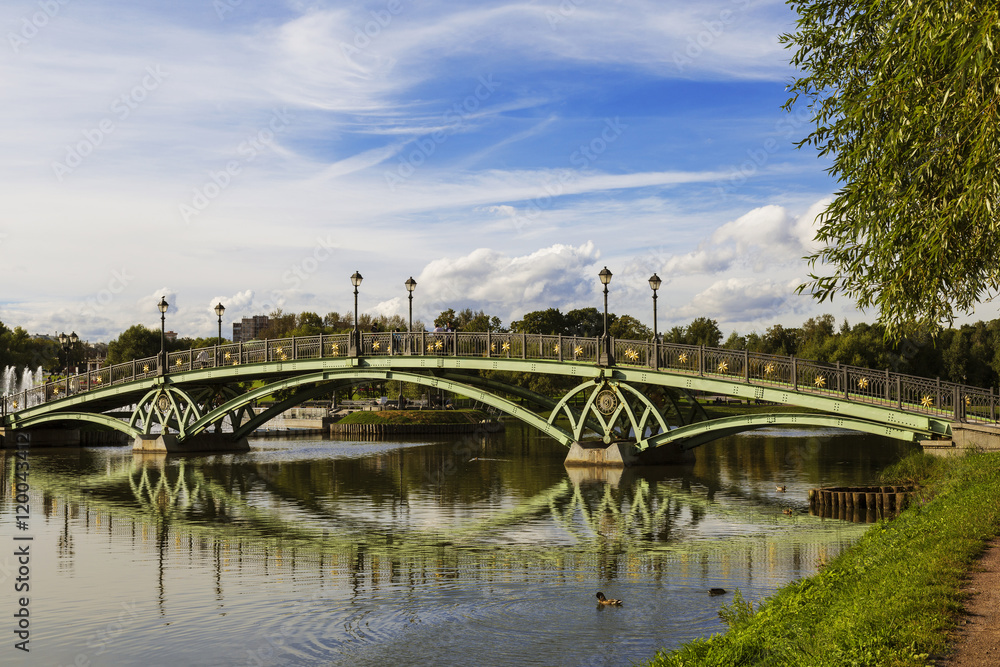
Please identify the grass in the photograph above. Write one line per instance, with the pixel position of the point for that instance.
(891, 599)
(415, 417)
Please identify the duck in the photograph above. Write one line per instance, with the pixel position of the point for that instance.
(716, 591)
(788, 510)
(611, 601)
(780, 488)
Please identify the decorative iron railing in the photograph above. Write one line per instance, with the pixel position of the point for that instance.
(880, 387)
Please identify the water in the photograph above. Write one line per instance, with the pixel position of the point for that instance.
(320, 552)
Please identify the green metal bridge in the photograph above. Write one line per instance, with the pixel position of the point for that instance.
(624, 391)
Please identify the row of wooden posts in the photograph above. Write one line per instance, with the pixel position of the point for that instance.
(845, 501)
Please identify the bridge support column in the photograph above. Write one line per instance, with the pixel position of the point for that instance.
(203, 442)
(622, 455)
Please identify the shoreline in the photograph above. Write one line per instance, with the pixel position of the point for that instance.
(897, 596)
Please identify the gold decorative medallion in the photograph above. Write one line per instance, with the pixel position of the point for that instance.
(607, 401)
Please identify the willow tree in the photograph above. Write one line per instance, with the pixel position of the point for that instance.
(905, 98)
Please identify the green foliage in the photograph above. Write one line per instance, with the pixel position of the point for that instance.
(891, 599)
(19, 349)
(919, 468)
(903, 98)
(550, 322)
(703, 331)
(136, 342)
(629, 328)
(468, 320)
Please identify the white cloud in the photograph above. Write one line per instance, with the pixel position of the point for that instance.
(743, 300)
(551, 277)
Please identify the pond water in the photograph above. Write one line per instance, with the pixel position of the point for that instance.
(452, 551)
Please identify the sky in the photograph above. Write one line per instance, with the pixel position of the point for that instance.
(501, 153)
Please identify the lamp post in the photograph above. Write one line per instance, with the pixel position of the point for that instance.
(605, 277)
(219, 309)
(654, 283)
(163, 305)
(356, 336)
(411, 285)
(67, 342)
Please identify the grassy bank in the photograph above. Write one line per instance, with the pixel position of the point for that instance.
(415, 417)
(888, 600)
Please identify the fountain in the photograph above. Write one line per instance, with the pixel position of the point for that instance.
(11, 384)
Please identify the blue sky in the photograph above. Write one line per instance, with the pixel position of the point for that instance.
(501, 153)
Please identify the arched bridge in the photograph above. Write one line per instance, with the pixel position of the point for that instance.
(640, 392)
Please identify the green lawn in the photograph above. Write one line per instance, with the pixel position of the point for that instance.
(890, 599)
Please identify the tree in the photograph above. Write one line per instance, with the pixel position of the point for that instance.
(585, 322)
(703, 331)
(628, 328)
(903, 97)
(549, 321)
(136, 342)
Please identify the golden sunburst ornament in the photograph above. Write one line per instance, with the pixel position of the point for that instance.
(98, 380)
(578, 350)
(768, 369)
(723, 367)
(145, 368)
(336, 349)
(820, 381)
(493, 347)
(927, 402)
(55, 392)
(178, 363)
(278, 350)
(15, 405)
(284, 357)
(631, 354)
(228, 356)
(555, 348)
(683, 358)
(430, 347)
(375, 345)
(439, 344)
(968, 400)
(506, 346)
(863, 383)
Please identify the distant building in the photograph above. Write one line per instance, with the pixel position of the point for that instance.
(170, 336)
(249, 328)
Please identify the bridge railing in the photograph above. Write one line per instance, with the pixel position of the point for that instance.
(880, 387)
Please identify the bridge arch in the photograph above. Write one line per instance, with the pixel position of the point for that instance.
(352, 374)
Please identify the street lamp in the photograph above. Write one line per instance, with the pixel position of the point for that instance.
(219, 309)
(411, 285)
(67, 343)
(605, 277)
(356, 337)
(654, 283)
(163, 305)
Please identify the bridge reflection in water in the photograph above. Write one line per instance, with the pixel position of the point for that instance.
(362, 551)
